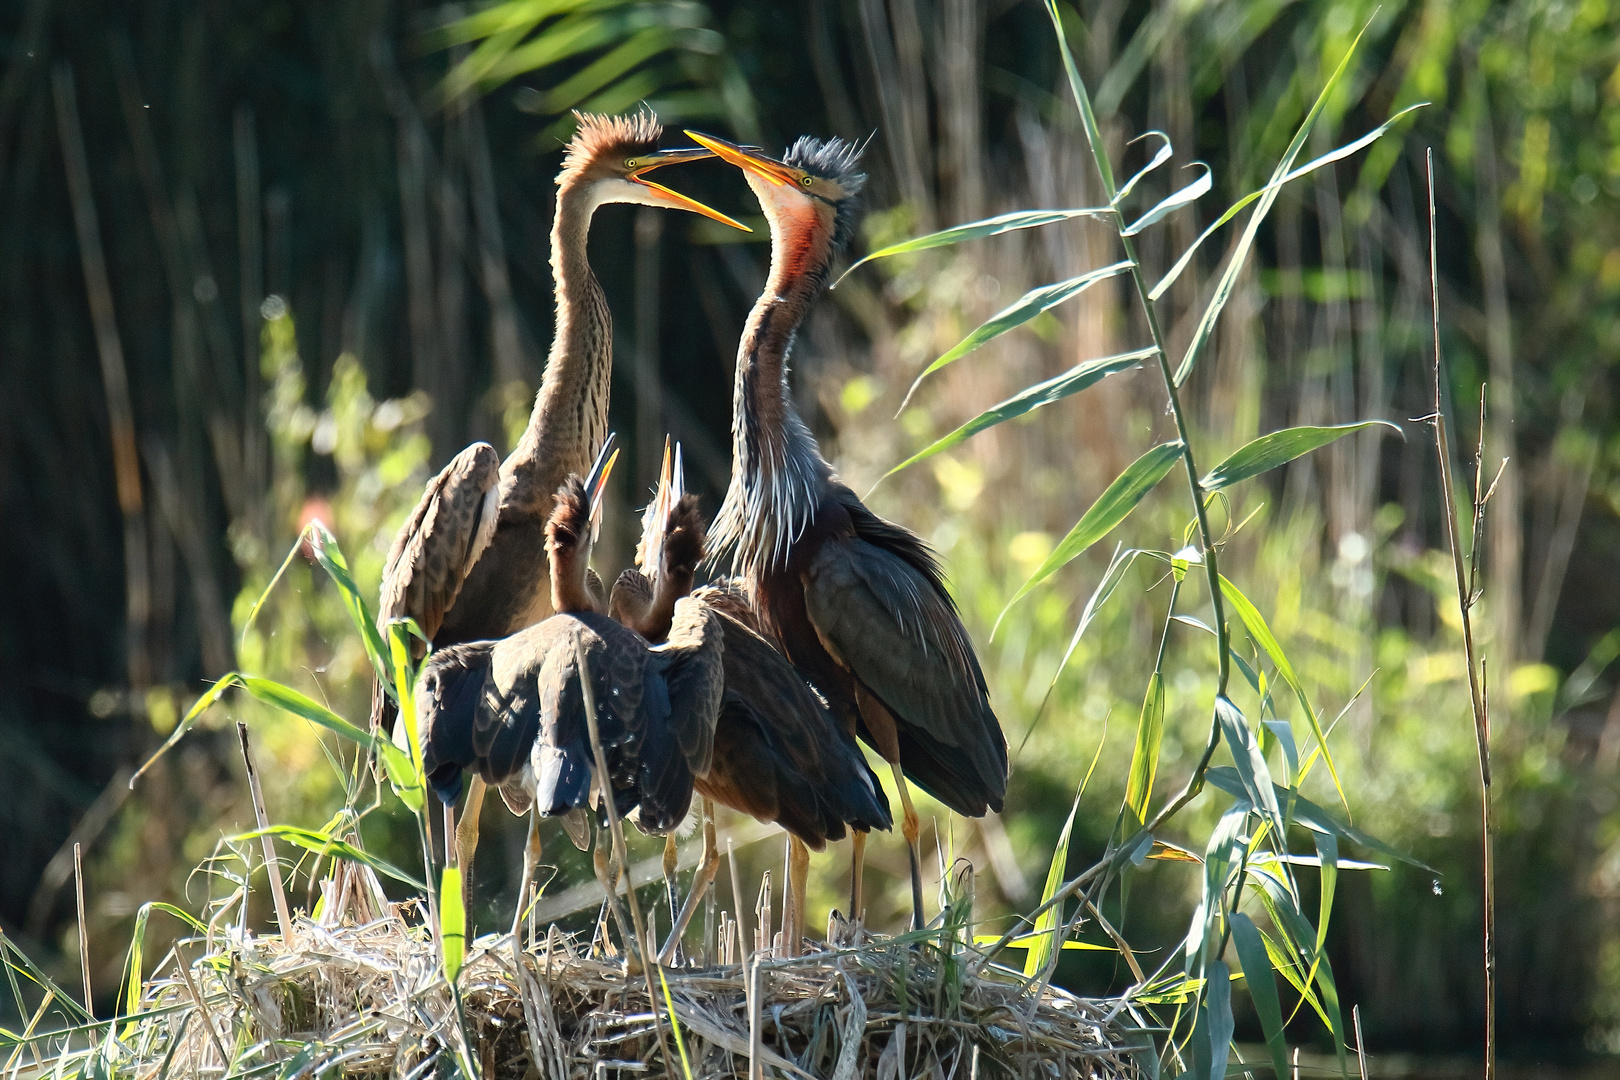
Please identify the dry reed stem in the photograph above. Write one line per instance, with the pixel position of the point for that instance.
(271, 865)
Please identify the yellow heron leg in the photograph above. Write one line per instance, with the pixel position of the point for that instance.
(910, 828)
(531, 860)
(701, 881)
(857, 872)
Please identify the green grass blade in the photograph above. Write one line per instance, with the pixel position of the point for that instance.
(1145, 758)
(1279, 448)
(1160, 156)
(1262, 987)
(1111, 508)
(1076, 379)
(1044, 935)
(452, 923)
(200, 706)
(977, 230)
(253, 612)
(1232, 211)
(1248, 760)
(1017, 314)
(1255, 623)
(330, 556)
(405, 688)
(675, 1024)
(324, 843)
(1218, 1000)
(1088, 118)
(1173, 202)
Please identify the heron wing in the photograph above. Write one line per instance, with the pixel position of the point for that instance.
(696, 677)
(779, 755)
(878, 605)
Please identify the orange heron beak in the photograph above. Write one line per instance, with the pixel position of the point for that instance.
(748, 158)
(640, 166)
(655, 522)
(596, 483)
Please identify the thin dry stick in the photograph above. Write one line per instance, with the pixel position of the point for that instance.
(196, 995)
(620, 855)
(739, 918)
(84, 929)
(283, 915)
(1465, 603)
(1361, 1050)
(756, 1033)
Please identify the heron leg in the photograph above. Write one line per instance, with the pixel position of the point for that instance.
(531, 859)
(911, 828)
(671, 885)
(608, 873)
(798, 879)
(857, 871)
(467, 834)
(706, 871)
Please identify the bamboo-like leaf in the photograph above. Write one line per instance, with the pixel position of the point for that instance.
(1279, 448)
(1088, 118)
(638, 48)
(325, 548)
(1232, 211)
(319, 842)
(977, 230)
(1076, 379)
(200, 706)
(1044, 936)
(1255, 623)
(452, 923)
(1219, 1003)
(1173, 202)
(1248, 760)
(1145, 758)
(1017, 314)
(1111, 508)
(1262, 988)
(1312, 816)
(1160, 156)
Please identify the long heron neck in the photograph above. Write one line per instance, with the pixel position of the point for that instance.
(777, 470)
(569, 592)
(569, 421)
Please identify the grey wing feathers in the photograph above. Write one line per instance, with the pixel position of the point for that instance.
(893, 626)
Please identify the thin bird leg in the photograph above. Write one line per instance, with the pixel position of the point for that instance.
(670, 864)
(706, 871)
(608, 873)
(798, 879)
(910, 829)
(467, 832)
(857, 871)
(531, 859)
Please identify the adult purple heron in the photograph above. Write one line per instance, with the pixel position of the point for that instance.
(779, 756)
(512, 710)
(505, 586)
(857, 603)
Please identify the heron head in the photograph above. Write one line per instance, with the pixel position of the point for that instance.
(672, 539)
(811, 195)
(572, 529)
(614, 157)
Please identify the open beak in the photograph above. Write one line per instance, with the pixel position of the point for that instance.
(596, 483)
(656, 523)
(748, 159)
(675, 199)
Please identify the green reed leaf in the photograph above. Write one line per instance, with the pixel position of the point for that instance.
(1017, 314)
(1173, 202)
(1262, 987)
(1279, 448)
(321, 842)
(1145, 758)
(977, 230)
(452, 923)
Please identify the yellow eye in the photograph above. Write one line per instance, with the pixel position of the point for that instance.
(807, 180)
(629, 163)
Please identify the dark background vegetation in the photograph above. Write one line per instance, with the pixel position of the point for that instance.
(237, 151)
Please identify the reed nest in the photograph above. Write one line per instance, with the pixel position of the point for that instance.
(372, 1000)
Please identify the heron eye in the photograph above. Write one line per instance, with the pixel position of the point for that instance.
(629, 163)
(807, 180)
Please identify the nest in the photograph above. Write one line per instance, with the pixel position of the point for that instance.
(372, 1000)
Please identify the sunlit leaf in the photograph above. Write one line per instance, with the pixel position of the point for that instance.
(1173, 202)
(1076, 379)
(1165, 851)
(1046, 924)
(1088, 118)
(1112, 507)
(327, 553)
(1017, 314)
(200, 706)
(1255, 623)
(452, 922)
(324, 843)
(1145, 757)
(1160, 156)
(1279, 448)
(1218, 1001)
(978, 230)
(1249, 762)
(1262, 987)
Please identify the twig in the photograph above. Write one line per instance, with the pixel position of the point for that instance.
(621, 858)
(84, 930)
(1361, 1050)
(283, 915)
(196, 995)
(739, 918)
(1476, 665)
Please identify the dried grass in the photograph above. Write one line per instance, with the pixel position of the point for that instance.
(371, 1000)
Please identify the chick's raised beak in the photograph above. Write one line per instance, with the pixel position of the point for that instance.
(656, 523)
(748, 159)
(675, 199)
(596, 483)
